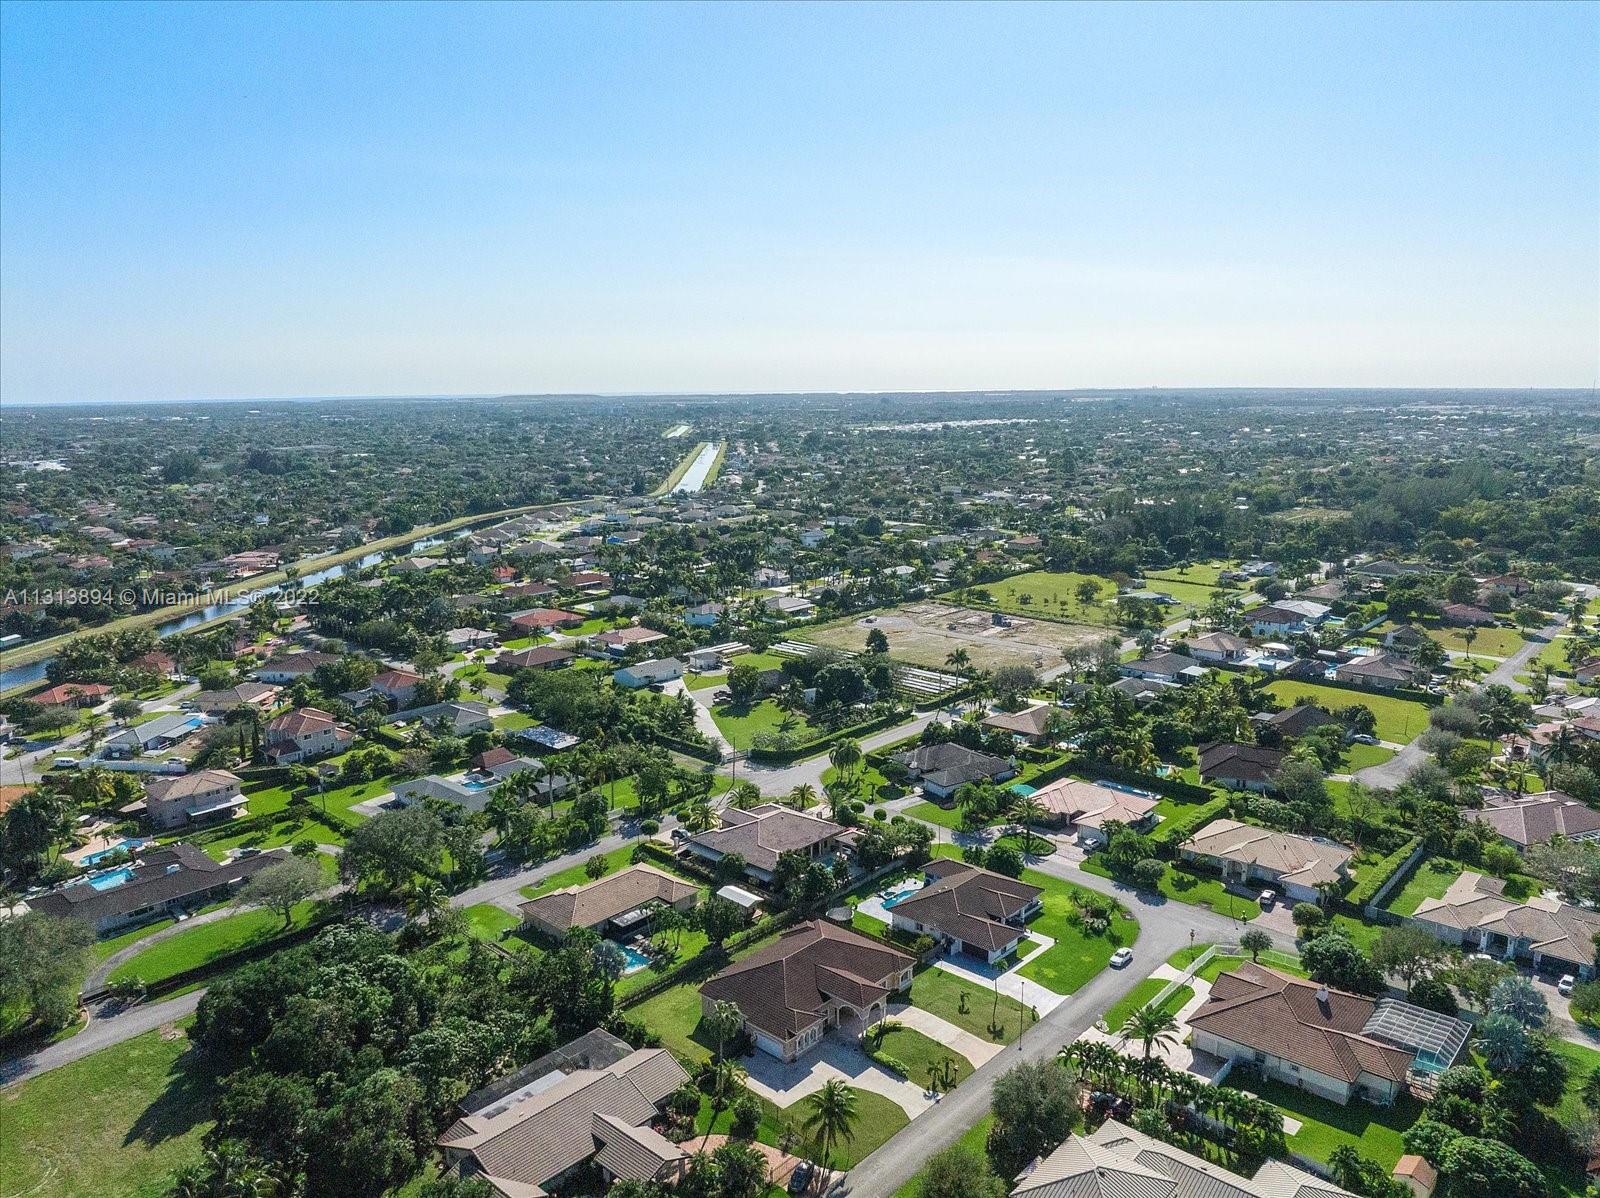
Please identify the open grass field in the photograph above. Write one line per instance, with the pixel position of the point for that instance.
(1374, 1131)
(118, 1122)
(287, 830)
(740, 725)
(1051, 593)
(495, 925)
(927, 633)
(1203, 573)
(1400, 721)
(1487, 642)
(197, 946)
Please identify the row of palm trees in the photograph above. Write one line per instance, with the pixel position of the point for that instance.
(1253, 1127)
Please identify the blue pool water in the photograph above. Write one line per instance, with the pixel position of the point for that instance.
(900, 896)
(112, 878)
(122, 846)
(1022, 788)
(474, 784)
(635, 959)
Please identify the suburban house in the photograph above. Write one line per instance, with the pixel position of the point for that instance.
(1288, 617)
(303, 734)
(649, 673)
(526, 1135)
(1587, 672)
(454, 717)
(704, 615)
(1029, 724)
(762, 833)
(545, 737)
(72, 694)
(945, 768)
(158, 661)
(813, 977)
(621, 904)
(1331, 1043)
(162, 880)
(1405, 638)
(246, 694)
(1173, 668)
(398, 687)
(619, 641)
(292, 668)
(1219, 647)
(1117, 1161)
(1087, 807)
(790, 607)
(539, 657)
(1523, 820)
(545, 619)
(1293, 722)
(152, 736)
(1379, 672)
(1245, 853)
(973, 911)
(202, 797)
(1240, 767)
(1550, 935)
(1466, 615)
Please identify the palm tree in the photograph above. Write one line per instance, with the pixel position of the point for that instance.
(803, 796)
(726, 1019)
(831, 1117)
(427, 899)
(1026, 811)
(845, 757)
(959, 660)
(942, 1075)
(1151, 1025)
(723, 1083)
(93, 722)
(744, 795)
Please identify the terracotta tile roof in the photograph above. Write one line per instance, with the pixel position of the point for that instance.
(1290, 1018)
(970, 904)
(782, 987)
(1091, 804)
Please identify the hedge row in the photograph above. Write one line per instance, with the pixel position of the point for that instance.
(1173, 788)
(1173, 832)
(1375, 877)
(822, 744)
(689, 748)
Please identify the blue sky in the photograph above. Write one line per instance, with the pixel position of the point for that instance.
(252, 200)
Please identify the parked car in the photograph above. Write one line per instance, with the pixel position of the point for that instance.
(679, 834)
(801, 1177)
(66, 763)
(1364, 739)
(1267, 899)
(1121, 958)
(1565, 985)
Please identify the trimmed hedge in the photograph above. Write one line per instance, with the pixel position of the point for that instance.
(1174, 832)
(1375, 877)
(1173, 788)
(822, 744)
(689, 748)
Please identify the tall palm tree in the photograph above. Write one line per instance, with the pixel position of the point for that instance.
(723, 1083)
(803, 796)
(1150, 1025)
(744, 795)
(959, 660)
(1027, 812)
(831, 1117)
(427, 899)
(845, 756)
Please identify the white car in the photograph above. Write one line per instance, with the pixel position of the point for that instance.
(1565, 985)
(1121, 957)
(1267, 898)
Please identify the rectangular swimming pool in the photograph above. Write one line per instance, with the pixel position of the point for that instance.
(112, 878)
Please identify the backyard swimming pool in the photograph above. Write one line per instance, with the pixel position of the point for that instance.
(126, 845)
(636, 959)
(901, 893)
(112, 878)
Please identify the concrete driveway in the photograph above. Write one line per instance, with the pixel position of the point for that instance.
(836, 1059)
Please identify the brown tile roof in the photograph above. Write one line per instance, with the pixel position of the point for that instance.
(1029, 722)
(1534, 819)
(1288, 1017)
(762, 833)
(537, 656)
(296, 723)
(782, 987)
(1248, 763)
(970, 904)
(1299, 858)
(1092, 804)
(591, 905)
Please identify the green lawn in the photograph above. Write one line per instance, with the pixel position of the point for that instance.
(577, 875)
(1202, 573)
(1373, 1130)
(877, 1118)
(1142, 996)
(1360, 757)
(1272, 959)
(115, 944)
(740, 725)
(1192, 887)
(269, 799)
(974, 1140)
(1076, 956)
(942, 993)
(918, 1053)
(195, 947)
(497, 926)
(1400, 721)
(284, 831)
(1049, 593)
(1433, 876)
(119, 1121)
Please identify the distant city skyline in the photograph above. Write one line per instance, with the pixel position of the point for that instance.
(257, 201)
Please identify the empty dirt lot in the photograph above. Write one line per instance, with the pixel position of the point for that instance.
(925, 634)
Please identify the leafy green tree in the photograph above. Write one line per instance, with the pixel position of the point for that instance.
(283, 887)
(1035, 1106)
(959, 1173)
(43, 959)
(388, 849)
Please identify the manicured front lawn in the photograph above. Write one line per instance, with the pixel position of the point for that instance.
(877, 1118)
(195, 947)
(120, 1121)
(284, 831)
(920, 1053)
(1375, 1131)
(1141, 996)
(115, 944)
(1360, 757)
(1272, 959)
(577, 875)
(1192, 887)
(496, 925)
(1433, 876)
(932, 813)
(741, 725)
(942, 993)
(1400, 721)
